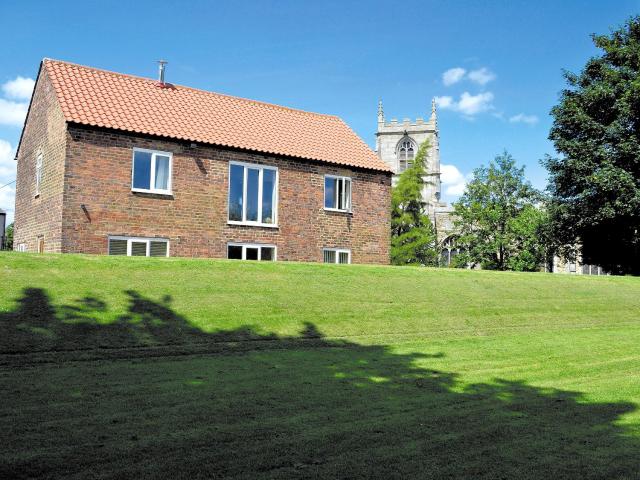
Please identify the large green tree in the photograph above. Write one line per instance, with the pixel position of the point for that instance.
(413, 239)
(9, 237)
(498, 219)
(595, 183)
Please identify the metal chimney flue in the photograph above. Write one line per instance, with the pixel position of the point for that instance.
(161, 64)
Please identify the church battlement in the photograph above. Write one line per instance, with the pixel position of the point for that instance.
(419, 122)
(419, 125)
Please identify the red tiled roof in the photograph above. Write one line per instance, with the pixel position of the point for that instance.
(100, 98)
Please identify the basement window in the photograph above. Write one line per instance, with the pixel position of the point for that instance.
(248, 251)
(139, 247)
(337, 193)
(336, 255)
(253, 194)
(151, 171)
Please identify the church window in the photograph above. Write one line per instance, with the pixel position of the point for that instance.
(406, 153)
(449, 251)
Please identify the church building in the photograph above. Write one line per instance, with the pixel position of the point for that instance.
(397, 144)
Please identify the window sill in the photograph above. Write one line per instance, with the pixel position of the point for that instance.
(251, 224)
(337, 210)
(166, 193)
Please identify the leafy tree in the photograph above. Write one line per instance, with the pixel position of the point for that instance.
(529, 240)
(497, 220)
(595, 184)
(8, 237)
(413, 239)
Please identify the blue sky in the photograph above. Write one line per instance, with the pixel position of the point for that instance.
(504, 58)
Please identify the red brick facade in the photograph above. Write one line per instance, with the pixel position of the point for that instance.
(45, 133)
(86, 196)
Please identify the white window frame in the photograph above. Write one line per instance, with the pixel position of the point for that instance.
(21, 247)
(148, 241)
(261, 168)
(344, 183)
(39, 168)
(338, 252)
(259, 246)
(152, 173)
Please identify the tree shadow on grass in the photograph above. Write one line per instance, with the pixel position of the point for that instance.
(151, 396)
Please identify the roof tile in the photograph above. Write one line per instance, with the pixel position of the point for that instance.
(97, 97)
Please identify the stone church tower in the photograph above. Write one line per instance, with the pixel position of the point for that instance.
(397, 144)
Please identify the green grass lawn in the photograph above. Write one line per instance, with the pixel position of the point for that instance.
(175, 368)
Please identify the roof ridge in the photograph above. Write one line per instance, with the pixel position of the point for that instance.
(146, 79)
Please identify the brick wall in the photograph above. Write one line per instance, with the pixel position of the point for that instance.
(194, 218)
(45, 132)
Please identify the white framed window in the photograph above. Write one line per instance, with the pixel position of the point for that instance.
(39, 164)
(251, 251)
(138, 246)
(151, 171)
(21, 247)
(253, 194)
(336, 255)
(337, 193)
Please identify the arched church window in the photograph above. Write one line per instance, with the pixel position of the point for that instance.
(450, 250)
(406, 153)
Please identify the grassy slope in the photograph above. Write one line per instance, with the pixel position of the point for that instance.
(213, 368)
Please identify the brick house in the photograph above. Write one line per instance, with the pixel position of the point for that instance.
(115, 164)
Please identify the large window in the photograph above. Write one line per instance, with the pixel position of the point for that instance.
(246, 251)
(151, 171)
(336, 255)
(139, 247)
(253, 194)
(406, 152)
(337, 193)
(39, 161)
(450, 250)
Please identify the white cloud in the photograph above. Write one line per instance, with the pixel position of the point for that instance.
(444, 102)
(481, 76)
(522, 118)
(7, 162)
(8, 201)
(7, 174)
(12, 113)
(468, 104)
(453, 181)
(473, 104)
(20, 88)
(453, 75)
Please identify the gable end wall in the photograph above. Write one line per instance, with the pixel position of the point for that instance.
(44, 131)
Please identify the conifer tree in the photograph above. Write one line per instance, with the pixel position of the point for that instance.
(413, 239)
